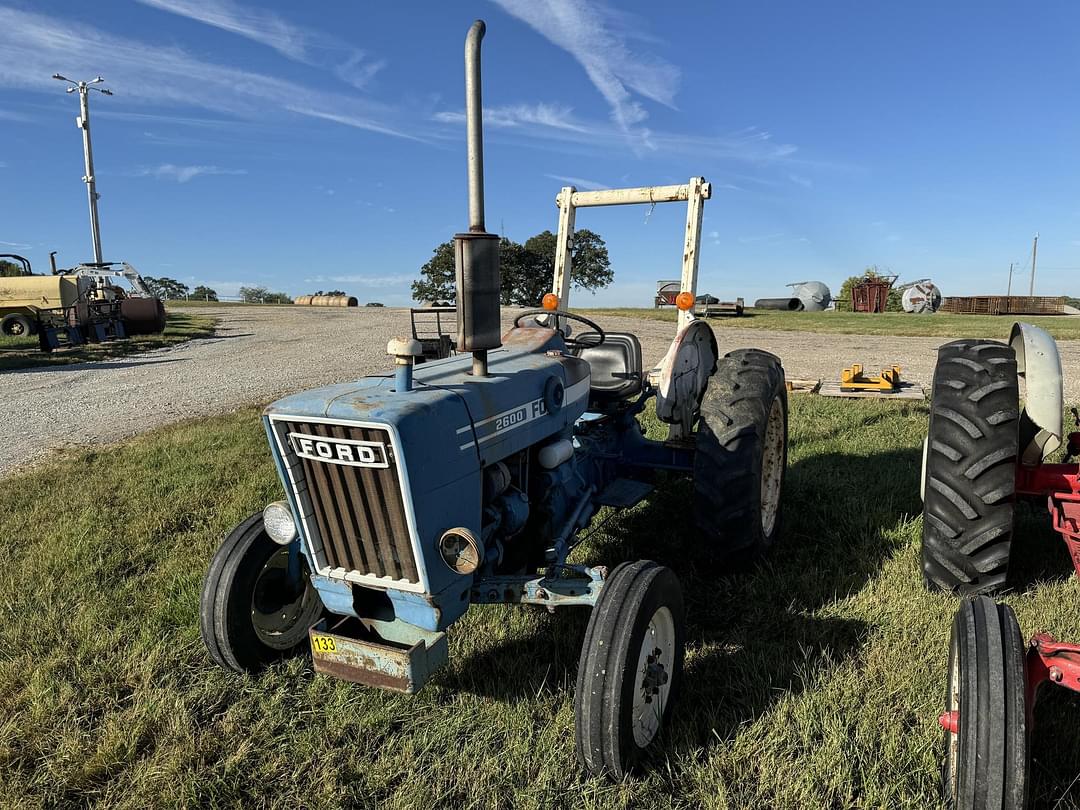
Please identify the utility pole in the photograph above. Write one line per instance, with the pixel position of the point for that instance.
(1009, 292)
(83, 123)
(1034, 253)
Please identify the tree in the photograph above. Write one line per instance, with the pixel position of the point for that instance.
(166, 288)
(337, 292)
(436, 282)
(203, 293)
(526, 269)
(253, 295)
(9, 269)
(590, 267)
(277, 298)
(373, 304)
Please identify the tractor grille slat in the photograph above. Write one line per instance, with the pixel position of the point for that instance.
(358, 512)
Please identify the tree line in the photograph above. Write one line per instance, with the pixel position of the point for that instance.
(526, 269)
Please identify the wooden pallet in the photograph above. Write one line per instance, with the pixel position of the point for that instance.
(908, 390)
(803, 386)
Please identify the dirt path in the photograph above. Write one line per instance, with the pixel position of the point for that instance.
(260, 353)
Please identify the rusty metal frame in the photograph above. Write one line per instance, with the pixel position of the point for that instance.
(569, 199)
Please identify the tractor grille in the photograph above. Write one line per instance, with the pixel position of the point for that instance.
(357, 512)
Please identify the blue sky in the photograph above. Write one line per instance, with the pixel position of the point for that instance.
(321, 144)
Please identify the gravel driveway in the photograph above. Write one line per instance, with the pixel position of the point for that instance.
(260, 353)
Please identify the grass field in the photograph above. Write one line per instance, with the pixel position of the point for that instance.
(940, 324)
(812, 681)
(16, 353)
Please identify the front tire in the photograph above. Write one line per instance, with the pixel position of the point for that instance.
(986, 757)
(741, 455)
(630, 668)
(969, 475)
(251, 611)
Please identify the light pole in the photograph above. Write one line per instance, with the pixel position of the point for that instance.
(83, 123)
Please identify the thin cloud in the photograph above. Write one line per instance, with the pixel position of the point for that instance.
(578, 182)
(363, 280)
(263, 27)
(598, 39)
(554, 116)
(805, 182)
(293, 41)
(11, 115)
(36, 45)
(182, 174)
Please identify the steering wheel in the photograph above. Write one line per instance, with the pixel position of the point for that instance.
(577, 344)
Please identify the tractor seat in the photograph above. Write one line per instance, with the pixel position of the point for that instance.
(615, 365)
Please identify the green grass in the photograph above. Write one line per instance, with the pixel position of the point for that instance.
(940, 324)
(16, 353)
(812, 681)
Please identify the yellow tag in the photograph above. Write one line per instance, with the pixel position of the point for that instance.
(322, 644)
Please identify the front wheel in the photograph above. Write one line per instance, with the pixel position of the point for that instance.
(741, 455)
(257, 600)
(985, 719)
(630, 667)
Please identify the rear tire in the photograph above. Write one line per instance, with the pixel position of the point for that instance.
(249, 613)
(15, 324)
(630, 668)
(741, 455)
(969, 475)
(985, 764)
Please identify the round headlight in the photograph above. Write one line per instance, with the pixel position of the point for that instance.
(279, 523)
(460, 550)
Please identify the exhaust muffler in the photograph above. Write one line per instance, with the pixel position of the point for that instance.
(476, 253)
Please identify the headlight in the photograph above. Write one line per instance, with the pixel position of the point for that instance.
(460, 551)
(279, 523)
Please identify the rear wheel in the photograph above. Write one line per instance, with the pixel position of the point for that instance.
(985, 718)
(969, 468)
(630, 667)
(256, 604)
(741, 454)
(16, 325)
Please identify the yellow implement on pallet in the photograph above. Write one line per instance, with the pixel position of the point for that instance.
(852, 379)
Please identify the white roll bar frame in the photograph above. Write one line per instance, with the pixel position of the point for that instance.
(570, 199)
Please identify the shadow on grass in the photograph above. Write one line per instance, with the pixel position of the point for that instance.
(1039, 555)
(751, 635)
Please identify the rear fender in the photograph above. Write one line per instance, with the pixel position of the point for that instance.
(684, 373)
(1037, 361)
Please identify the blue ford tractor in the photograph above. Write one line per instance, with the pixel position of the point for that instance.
(414, 494)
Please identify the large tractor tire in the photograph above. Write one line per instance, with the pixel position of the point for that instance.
(251, 611)
(630, 668)
(15, 324)
(986, 758)
(741, 455)
(969, 468)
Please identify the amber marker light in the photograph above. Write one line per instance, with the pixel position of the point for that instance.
(684, 301)
(551, 302)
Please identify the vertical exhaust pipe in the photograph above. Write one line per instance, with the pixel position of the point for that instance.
(476, 253)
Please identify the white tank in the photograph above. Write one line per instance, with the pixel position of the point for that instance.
(814, 295)
(922, 297)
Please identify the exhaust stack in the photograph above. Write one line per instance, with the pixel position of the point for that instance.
(476, 253)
